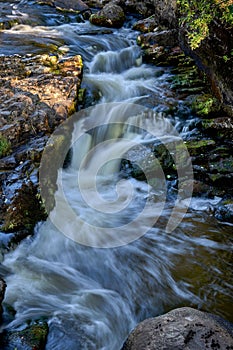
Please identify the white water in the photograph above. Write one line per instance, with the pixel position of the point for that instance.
(93, 297)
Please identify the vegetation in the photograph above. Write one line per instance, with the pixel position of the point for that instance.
(196, 16)
(5, 146)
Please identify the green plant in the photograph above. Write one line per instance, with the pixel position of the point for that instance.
(196, 16)
(5, 146)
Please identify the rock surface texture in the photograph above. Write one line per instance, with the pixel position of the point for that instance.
(110, 16)
(183, 329)
(37, 93)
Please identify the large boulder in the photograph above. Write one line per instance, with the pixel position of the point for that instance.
(183, 328)
(110, 16)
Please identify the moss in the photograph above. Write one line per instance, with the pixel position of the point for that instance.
(205, 104)
(200, 146)
(5, 146)
(33, 337)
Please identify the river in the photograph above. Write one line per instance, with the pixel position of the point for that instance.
(106, 258)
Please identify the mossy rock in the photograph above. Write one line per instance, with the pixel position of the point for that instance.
(111, 16)
(25, 210)
(206, 104)
(219, 127)
(198, 147)
(31, 338)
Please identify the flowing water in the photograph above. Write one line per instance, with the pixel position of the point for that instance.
(97, 270)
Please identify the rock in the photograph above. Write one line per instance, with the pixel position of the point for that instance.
(223, 211)
(111, 16)
(165, 12)
(209, 56)
(31, 338)
(145, 8)
(206, 104)
(221, 127)
(37, 93)
(197, 147)
(183, 328)
(146, 25)
(2, 293)
(160, 47)
(167, 38)
(96, 3)
(25, 210)
(66, 5)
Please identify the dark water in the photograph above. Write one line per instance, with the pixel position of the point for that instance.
(92, 297)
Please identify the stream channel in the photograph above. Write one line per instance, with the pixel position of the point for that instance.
(101, 263)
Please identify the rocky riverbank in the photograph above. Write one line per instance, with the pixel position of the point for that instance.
(37, 94)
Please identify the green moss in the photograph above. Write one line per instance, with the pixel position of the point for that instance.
(5, 146)
(196, 16)
(33, 337)
(200, 146)
(205, 104)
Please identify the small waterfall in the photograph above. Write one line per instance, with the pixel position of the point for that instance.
(116, 62)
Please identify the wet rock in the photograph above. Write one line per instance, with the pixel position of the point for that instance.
(188, 79)
(160, 47)
(224, 210)
(145, 25)
(31, 338)
(66, 5)
(2, 293)
(221, 127)
(197, 147)
(110, 16)
(167, 38)
(183, 328)
(25, 210)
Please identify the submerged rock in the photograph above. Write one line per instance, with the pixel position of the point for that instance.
(110, 16)
(182, 329)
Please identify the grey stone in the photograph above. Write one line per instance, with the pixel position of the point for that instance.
(184, 329)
